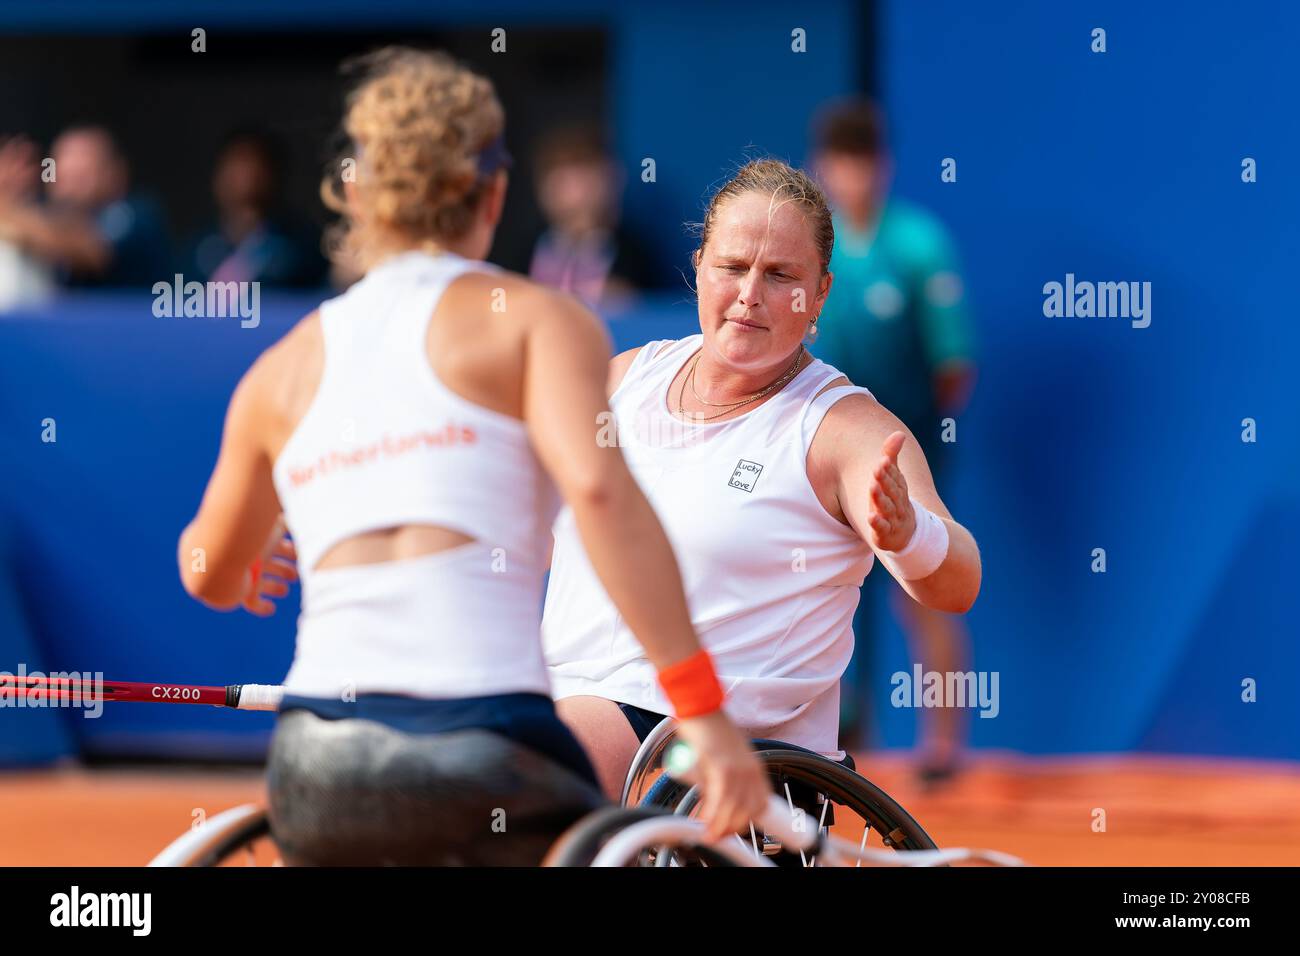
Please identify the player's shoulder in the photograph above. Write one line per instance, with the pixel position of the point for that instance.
(652, 351)
(528, 301)
(492, 292)
(291, 366)
(853, 409)
(302, 345)
(854, 418)
(514, 307)
(619, 365)
(545, 321)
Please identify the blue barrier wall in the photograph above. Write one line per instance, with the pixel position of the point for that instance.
(28, 735)
(1086, 433)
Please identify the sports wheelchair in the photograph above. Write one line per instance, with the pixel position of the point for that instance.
(817, 794)
(653, 826)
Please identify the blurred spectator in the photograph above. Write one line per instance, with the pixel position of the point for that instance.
(585, 249)
(896, 323)
(91, 230)
(23, 280)
(252, 239)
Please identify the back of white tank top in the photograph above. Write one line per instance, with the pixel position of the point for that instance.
(385, 444)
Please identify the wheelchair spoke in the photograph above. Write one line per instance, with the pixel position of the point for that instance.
(821, 823)
(863, 845)
(790, 801)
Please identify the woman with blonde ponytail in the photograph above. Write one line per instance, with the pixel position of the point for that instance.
(415, 431)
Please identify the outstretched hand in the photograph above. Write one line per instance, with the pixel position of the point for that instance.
(270, 576)
(892, 520)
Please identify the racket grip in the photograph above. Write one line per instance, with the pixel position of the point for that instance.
(254, 696)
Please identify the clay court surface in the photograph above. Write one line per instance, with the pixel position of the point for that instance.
(1159, 811)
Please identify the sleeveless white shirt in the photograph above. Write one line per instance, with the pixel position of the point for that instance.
(771, 579)
(384, 444)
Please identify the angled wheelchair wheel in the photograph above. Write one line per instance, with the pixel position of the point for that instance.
(834, 796)
(581, 843)
(237, 837)
(827, 791)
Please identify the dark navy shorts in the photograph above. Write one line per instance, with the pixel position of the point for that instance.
(643, 721)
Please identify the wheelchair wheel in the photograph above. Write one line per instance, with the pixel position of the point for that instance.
(582, 841)
(807, 780)
(238, 837)
(863, 812)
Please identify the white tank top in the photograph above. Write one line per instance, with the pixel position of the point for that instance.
(771, 579)
(384, 444)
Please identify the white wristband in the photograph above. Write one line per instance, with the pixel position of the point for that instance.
(921, 556)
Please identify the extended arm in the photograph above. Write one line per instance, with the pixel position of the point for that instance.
(877, 468)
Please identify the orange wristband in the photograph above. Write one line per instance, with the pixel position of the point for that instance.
(692, 686)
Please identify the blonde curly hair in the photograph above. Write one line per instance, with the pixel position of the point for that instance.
(417, 123)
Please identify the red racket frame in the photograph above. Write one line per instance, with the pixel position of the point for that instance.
(65, 689)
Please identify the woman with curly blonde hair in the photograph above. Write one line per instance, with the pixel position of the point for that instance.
(414, 431)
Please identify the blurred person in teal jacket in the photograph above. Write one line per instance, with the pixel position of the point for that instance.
(895, 322)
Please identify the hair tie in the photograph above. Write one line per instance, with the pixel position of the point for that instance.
(494, 156)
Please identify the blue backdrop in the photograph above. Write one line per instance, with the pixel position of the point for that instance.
(1083, 434)
(1086, 433)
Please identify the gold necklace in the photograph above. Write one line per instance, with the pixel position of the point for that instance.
(732, 406)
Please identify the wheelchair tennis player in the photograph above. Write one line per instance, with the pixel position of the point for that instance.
(414, 432)
(778, 483)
